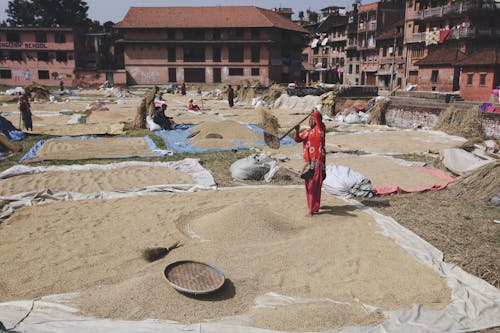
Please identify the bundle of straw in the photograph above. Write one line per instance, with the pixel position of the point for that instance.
(270, 126)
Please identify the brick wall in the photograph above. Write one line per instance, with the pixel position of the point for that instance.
(410, 117)
(444, 79)
(475, 91)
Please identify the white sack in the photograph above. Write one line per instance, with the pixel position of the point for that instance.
(460, 161)
(352, 118)
(345, 182)
(254, 167)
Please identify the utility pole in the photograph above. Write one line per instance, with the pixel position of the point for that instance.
(391, 84)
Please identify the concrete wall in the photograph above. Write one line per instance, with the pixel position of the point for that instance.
(410, 117)
(474, 91)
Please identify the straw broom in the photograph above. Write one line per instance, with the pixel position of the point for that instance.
(156, 253)
(270, 126)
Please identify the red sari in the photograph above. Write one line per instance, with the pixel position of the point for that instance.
(314, 153)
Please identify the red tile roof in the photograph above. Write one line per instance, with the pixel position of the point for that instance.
(484, 57)
(206, 17)
(442, 56)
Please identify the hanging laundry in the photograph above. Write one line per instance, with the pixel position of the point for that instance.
(431, 37)
(444, 35)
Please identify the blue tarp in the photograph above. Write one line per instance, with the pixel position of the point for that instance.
(177, 140)
(34, 149)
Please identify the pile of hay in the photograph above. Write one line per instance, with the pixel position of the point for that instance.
(377, 113)
(273, 93)
(270, 126)
(147, 107)
(480, 185)
(327, 101)
(223, 134)
(246, 93)
(37, 92)
(465, 123)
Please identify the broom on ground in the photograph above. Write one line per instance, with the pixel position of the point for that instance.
(156, 253)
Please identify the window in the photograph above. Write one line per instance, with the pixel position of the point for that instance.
(357, 69)
(255, 71)
(40, 37)
(194, 34)
(434, 76)
(324, 63)
(172, 75)
(384, 51)
(255, 34)
(171, 55)
(60, 37)
(15, 55)
(400, 51)
(216, 54)
(171, 34)
(255, 54)
(5, 74)
(61, 56)
(470, 77)
(235, 54)
(42, 56)
(43, 75)
(350, 69)
(305, 57)
(216, 35)
(236, 34)
(482, 79)
(316, 50)
(194, 74)
(13, 36)
(235, 71)
(194, 54)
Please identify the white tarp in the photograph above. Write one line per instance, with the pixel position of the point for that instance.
(474, 305)
(191, 166)
(460, 161)
(314, 43)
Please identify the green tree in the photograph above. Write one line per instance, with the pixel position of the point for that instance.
(20, 13)
(48, 13)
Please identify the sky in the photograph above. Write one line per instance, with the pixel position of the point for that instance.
(115, 10)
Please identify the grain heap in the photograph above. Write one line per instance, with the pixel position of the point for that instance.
(231, 134)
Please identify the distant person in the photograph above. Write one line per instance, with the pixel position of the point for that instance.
(61, 85)
(159, 97)
(183, 89)
(25, 109)
(161, 119)
(192, 107)
(230, 95)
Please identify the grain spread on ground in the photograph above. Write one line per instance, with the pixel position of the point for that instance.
(259, 238)
(232, 133)
(94, 180)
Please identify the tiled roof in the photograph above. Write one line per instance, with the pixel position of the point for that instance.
(206, 17)
(442, 56)
(484, 57)
(368, 7)
(332, 21)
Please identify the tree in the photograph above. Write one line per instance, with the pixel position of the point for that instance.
(20, 13)
(312, 16)
(48, 13)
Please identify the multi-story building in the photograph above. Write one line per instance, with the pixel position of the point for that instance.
(441, 34)
(391, 61)
(352, 66)
(210, 45)
(328, 53)
(43, 55)
(373, 18)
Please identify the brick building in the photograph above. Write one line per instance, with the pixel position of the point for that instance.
(43, 55)
(391, 61)
(210, 45)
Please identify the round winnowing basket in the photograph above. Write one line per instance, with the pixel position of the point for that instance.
(194, 277)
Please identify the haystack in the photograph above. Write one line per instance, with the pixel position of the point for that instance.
(273, 93)
(247, 91)
(146, 108)
(480, 185)
(328, 101)
(465, 123)
(377, 113)
(37, 91)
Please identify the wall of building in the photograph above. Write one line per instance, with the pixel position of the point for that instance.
(444, 80)
(92, 78)
(29, 68)
(475, 91)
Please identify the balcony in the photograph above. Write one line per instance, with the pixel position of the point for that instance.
(452, 9)
(368, 26)
(337, 38)
(470, 32)
(417, 37)
(366, 45)
(388, 60)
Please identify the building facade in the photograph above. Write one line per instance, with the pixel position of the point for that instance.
(210, 45)
(42, 55)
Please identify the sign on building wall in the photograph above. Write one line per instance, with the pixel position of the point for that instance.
(25, 45)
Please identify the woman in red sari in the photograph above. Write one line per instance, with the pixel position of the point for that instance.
(315, 156)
